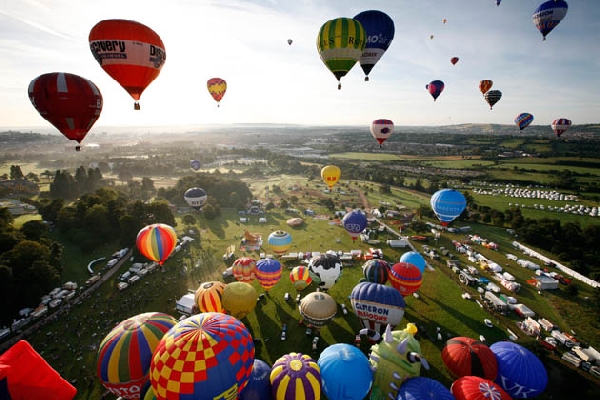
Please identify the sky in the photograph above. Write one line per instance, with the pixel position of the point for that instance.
(269, 81)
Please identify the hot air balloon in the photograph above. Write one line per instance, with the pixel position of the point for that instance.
(377, 305)
(464, 356)
(444, 20)
(239, 299)
(156, 242)
(523, 120)
(125, 354)
(559, 126)
(448, 204)
(205, 356)
(405, 277)
(290, 41)
(69, 102)
(195, 197)
(548, 15)
(195, 164)
(382, 129)
(376, 270)
(454, 60)
(300, 277)
(268, 272)
(435, 88)
(379, 30)
(430, 37)
(259, 384)
(476, 388)
(24, 374)
(498, 2)
(414, 258)
(520, 372)
(317, 308)
(422, 388)
(244, 269)
(295, 376)
(280, 241)
(147, 392)
(492, 97)
(208, 296)
(395, 359)
(345, 372)
(485, 85)
(341, 43)
(325, 269)
(130, 52)
(216, 88)
(354, 222)
(330, 175)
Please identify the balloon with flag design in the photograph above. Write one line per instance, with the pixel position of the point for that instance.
(295, 376)
(520, 372)
(156, 242)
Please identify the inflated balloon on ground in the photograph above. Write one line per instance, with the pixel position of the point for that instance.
(295, 376)
(345, 372)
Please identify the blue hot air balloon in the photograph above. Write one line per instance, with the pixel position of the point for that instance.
(195, 164)
(548, 15)
(345, 372)
(414, 258)
(523, 120)
(354, 222)
(379, 29)
(377, 306)
(520, 372)
(259, 384)
(448, 204)
(435, 88)
(422, 388)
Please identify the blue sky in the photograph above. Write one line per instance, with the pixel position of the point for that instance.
(245, 43)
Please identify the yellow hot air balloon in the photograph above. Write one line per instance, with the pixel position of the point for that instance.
(330, 175)
(239, 299)
(216, 87)
(340, 44)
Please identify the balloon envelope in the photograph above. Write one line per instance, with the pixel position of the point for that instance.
(244, 269)
(435, 88)
(379, 31)
(559, 126)
(492, 97)
(454, 60)
(330, 175)
(415, 258)
(156, 242)
(317, 308)
(345, 372)
(216, 87)
(520, 372)
(377, 305)
(124, 355)
(129, 52)
(523, 120)
(405, 277)
(300, 277)
(382, 129)
(195, 197)
(464, 356)
(325, 269)
(295, 376)
(195, 164)
(354, 222)
(259, 384)
(208, 296)
(268, 272)
(485, 85)
(239, 299)
(448, 204)
(548, 15)
(376, 270)
(422, 388)
(206, 356)
(476, 388)
(69, 102)
(280, 241)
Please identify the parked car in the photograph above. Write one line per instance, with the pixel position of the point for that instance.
(286, 296)
(344, 309)
(283, 335)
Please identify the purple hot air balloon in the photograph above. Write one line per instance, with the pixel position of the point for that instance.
(267, 272)
(295, 376)
(259, 384)
(354, 222)
(377, 306)
(422, 388)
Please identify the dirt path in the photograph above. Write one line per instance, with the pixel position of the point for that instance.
(364, 201)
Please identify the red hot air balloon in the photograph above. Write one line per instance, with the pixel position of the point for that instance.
(464, 356)
(69, 102)
(476, 388)
(435, 88)
(454, 60)
(128, 51)
(405, 277)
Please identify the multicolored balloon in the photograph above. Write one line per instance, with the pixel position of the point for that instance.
(464, 356)
(492, 97)
(485, 85)
(244, 269)
(476, 388)
(422, 388)
(376, 270)
(523, 120)
(129, 52)
(345, 372)
(354, 222)
(268, 272)
(69, 102)
(208, 296)
(520, 372)
(206, 356)
(377, 306)
(379, 30)
(300, 277)
(448, 204)
(317, 308)
(217, 87)
(259, 384)
(295, 376)
(559, 126)
(382, 129)
(548, 15)
(325, 270)
(341, 42)
(435, 88)
(156, 242)
(330, 175)
(195, 197)
(406, 278)
(239, 299)
(125, 354)
(280, 241)
(415, 258)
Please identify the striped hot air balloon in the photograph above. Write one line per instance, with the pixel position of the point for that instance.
(156, 242)
(340, 44)
(296, 376)
(405, 277)
(125, 354)
(485, 85)
(280, 241)
(244, 269)
(208, 296)
(523, 120)
(300, 277)
(560, 125)
(376, 270)
(268, 272)
(492, 97)
(465, 356)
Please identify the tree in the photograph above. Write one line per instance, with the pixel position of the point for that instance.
(188, 219)
(209, 212)
(283, 203)
(49, 209)
(34, 230)
(16, 173)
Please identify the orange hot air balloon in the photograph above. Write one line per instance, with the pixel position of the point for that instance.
(217, 88)
(128, 51)
(485, 85)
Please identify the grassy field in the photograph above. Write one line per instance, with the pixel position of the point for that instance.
(70, 343)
